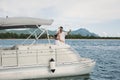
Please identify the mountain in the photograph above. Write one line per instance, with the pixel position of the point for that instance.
(20, 31)
(84, 32)
(81, 31)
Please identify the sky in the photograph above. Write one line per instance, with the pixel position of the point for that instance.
(99, 16)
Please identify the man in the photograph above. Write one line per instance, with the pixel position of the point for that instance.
(61, 34)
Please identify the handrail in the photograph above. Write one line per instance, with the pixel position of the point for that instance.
(17, 57)
(1, 59)
(37, 53)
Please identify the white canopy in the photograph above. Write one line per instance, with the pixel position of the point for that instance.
(22, 22)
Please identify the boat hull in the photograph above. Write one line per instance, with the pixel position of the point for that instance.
(44, 72)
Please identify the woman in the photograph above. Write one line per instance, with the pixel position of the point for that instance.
(60, 36)
(57, 42)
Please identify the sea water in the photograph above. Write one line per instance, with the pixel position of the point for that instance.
(106, 53)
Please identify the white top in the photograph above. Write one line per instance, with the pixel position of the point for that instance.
(62, 36)
(21, 21)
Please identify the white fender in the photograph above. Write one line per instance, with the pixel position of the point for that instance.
(52, 65)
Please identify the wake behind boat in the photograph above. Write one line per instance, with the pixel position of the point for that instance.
(26, 61)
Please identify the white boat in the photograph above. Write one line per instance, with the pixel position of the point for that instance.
(26, 61)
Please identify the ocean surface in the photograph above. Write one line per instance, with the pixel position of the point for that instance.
(105, 52)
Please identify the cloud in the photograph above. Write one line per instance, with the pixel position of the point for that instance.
(105, 34)
(24, 7)
(118, 34)
(66, 12)
(91, 10)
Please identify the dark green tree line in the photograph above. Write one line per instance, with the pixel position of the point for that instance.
(44, 36)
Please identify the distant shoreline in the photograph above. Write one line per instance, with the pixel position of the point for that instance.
(44, 36)
(66, 39)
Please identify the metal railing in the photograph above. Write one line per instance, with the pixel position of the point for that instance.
(10, 58)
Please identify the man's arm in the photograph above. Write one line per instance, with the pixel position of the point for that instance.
(69, 31)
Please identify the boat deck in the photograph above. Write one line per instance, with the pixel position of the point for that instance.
(24, 55)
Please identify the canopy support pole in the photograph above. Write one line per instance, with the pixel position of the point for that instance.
(48, 36)
(29, 36)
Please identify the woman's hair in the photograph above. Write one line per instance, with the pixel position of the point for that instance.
(55, 36)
